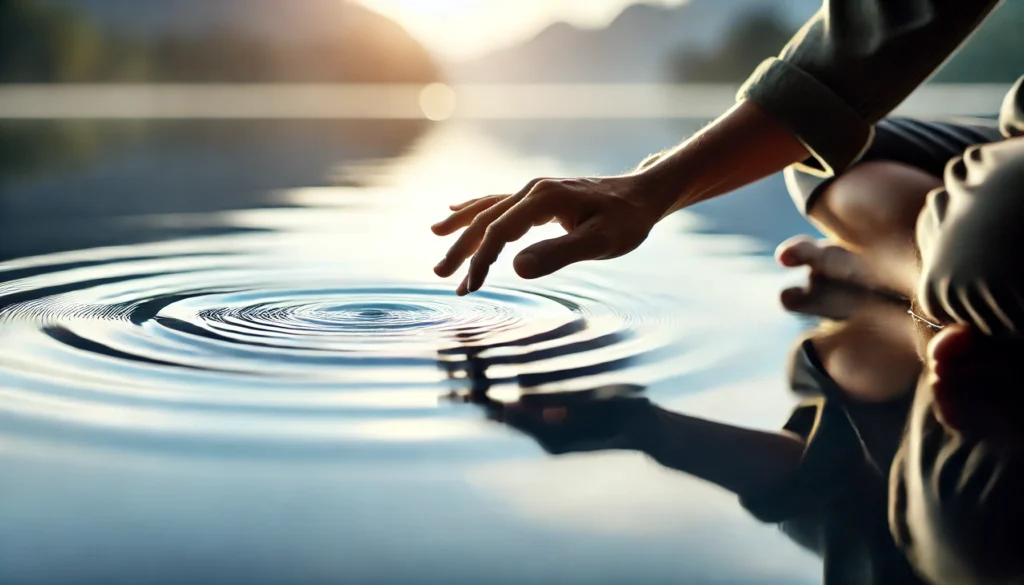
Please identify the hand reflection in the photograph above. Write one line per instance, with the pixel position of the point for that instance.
(574, 422)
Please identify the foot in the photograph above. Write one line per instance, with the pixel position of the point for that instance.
(828, 261)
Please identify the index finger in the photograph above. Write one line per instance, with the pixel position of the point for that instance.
(512, 225)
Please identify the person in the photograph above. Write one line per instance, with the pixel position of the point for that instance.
(947, 241)
(823, 478)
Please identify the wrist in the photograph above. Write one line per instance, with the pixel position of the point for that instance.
(640, 431)
(660, 186)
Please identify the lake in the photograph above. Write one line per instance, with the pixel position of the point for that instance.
(224, 357)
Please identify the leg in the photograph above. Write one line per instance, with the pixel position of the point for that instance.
(870, 209)
(870, 212)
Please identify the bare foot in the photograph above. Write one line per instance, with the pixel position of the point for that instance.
(827, 260)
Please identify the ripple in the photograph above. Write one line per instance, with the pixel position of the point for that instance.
(238, 349)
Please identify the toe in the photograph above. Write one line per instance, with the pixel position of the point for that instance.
(797, 251)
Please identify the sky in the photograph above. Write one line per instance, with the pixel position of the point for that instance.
(467, 28)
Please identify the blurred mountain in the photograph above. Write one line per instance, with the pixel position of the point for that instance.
(205, 41)
(289, 20)
(994, 54)
(711, 41)
(748, 41)
(636, 47)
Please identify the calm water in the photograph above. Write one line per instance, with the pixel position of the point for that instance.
(224, 357)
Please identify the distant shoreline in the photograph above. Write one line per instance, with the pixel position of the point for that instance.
(424, 101)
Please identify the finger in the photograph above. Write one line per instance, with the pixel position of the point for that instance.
(511, 226)
(465, 204)
(464, 216)
(526, 189)
(587, 242)
(470, 239)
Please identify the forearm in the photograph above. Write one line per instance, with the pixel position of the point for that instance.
(742, 146)
(743, 461)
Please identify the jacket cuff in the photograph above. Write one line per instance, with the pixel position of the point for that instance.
(835, 134)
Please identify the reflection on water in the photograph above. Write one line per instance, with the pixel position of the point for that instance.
(222, 351)
(824, 481)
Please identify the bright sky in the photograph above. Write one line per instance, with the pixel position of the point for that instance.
(466, 28)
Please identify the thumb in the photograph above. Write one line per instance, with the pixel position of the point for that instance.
(543, 258)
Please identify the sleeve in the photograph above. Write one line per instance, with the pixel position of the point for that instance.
(832, 460)
(923, 144)
(955, 504)
(969, 238)
(851, 64)
(1011, 115)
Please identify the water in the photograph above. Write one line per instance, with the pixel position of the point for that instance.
(224, 358)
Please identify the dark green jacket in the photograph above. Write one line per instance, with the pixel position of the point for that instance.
(853, 63)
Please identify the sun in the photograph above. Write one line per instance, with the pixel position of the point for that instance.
(469, 28)
(464, 28)
(428, 8)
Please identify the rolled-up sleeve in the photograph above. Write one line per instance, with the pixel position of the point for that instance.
(854, 62)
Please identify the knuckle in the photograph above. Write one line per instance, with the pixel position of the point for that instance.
(495, 230)
(544, 186)
(482, 222)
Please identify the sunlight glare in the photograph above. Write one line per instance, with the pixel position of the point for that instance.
(438, 102)
(464, 29)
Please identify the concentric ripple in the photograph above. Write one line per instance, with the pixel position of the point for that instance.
(178, 348)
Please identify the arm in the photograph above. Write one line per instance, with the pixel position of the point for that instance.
(852, 63)
(743, 461)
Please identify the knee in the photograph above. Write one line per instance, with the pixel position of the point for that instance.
(873, 200)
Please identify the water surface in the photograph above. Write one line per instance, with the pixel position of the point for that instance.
(224, 357)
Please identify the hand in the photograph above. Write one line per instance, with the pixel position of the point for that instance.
(604, 218)
(575, 422)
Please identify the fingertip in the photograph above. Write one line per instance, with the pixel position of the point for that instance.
(526, 266)
(443, 270)
(792, 298)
